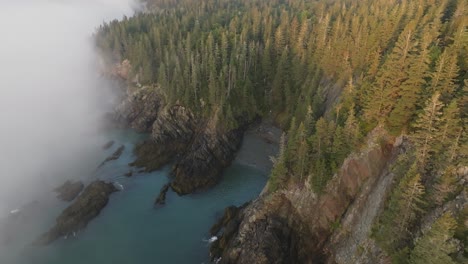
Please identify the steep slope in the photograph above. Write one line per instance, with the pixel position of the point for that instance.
(293, 225)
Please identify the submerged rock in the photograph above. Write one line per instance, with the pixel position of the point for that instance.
(108, 145)
(116, 155)
(161, 200)
(128, 174)
(69, 190)
(76, 217)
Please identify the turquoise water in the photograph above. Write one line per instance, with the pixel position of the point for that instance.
(131, 230)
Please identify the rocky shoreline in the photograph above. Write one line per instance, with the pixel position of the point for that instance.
(293, 225)
(198, 150)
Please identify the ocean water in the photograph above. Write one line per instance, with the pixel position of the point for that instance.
(129, 229)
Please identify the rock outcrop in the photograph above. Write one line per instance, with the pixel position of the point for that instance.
(294, 225)
(139, 109)
(171, 134)
(116, 155)
(199, 152)
(77, 216)
(201, 165)
(197, 148)
(69, 190)
(161, 200)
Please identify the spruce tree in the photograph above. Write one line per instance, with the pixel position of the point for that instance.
(427, 129)
(436, 245)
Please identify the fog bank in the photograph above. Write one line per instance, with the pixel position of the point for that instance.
(50, 91)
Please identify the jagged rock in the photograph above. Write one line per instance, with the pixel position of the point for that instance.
(139, 109)
(201, 164)
(116, 155)
(108, 145)
(199, 150)
(261, 233)
(200, 154)
(172, 132)
(161, 200)
(69, 190)
(230, 213)
(76, 217)
(294, 224)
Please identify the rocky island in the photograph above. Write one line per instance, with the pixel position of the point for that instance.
(75, 217)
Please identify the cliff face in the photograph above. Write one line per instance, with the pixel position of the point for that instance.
(295, 225)
(139, 108)
(199, 151)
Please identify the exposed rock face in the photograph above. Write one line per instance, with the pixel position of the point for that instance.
(69, 190)
(266, 231)
(200, 151)
(293, 225)
(86, 207)
(201, 164)
(171, 133)
(200, 154)
(139, 109)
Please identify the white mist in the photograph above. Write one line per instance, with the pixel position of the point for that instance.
(50, 91)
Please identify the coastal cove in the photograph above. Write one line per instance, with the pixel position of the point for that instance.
(131, 230)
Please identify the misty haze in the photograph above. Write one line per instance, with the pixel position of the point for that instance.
(233, 131)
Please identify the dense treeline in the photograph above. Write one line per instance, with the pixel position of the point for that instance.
(329, 72)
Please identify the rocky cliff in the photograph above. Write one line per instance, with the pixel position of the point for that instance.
(295, 225)
(198, 149)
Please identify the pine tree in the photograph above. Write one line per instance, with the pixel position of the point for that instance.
(445, 75)
(322, 137)
(427, 128)
(436, 245)
(445, 185)
(411, 200)
(302, 151)
(404, 204)
(451, 128)
(340, 147)
(392, 74)
(351, 128)
(411, 88)
(279, 171)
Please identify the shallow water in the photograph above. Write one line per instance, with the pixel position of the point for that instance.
(131, 230)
